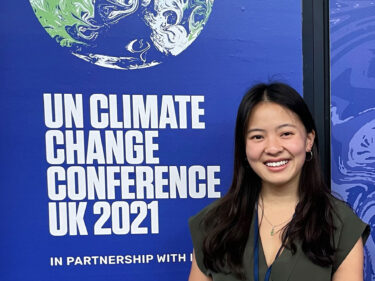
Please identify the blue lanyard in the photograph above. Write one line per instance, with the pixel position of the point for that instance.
(256, 251)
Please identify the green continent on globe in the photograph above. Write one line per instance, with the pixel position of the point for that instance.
(56, 15)
(202, 11)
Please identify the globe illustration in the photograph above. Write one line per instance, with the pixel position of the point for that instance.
(123, 34)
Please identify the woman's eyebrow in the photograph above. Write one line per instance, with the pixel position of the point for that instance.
(286, 125)
(278, 127)
(255, 130)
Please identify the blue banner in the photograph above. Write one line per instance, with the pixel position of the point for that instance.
(117, 125)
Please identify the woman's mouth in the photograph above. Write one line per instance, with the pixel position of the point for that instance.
(276, 163)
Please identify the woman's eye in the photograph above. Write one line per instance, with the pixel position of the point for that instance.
(287, 134)
(256, 137)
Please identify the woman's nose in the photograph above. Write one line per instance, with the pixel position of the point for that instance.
(273, 146)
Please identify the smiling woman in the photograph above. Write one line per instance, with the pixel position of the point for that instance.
(278, 220)
(276, 144)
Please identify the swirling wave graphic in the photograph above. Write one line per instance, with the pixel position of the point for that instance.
(352, 32)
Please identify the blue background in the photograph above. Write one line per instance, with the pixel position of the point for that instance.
(244, 42)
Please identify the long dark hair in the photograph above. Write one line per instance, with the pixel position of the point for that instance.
(228, 222)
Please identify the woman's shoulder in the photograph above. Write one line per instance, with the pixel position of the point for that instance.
(345, 217)
(349, 228)
(341, 208)
(196, 220)
(343, 213)
(198, 232)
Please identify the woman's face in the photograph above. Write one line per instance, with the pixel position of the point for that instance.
(276, 144)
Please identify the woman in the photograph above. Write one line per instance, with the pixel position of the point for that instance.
(278, 220)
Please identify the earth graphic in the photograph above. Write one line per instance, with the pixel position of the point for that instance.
(123, 34)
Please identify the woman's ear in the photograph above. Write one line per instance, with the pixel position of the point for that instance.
(310, 140)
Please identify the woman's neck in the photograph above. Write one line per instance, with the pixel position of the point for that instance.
(279, 195)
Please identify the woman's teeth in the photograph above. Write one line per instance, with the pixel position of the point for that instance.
(276, 164)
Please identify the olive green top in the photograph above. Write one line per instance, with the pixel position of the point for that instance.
(288, 267)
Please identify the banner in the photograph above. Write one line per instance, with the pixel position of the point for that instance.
(353, 112)
(117, 126)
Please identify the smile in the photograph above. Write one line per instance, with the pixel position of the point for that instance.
(276, 164)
